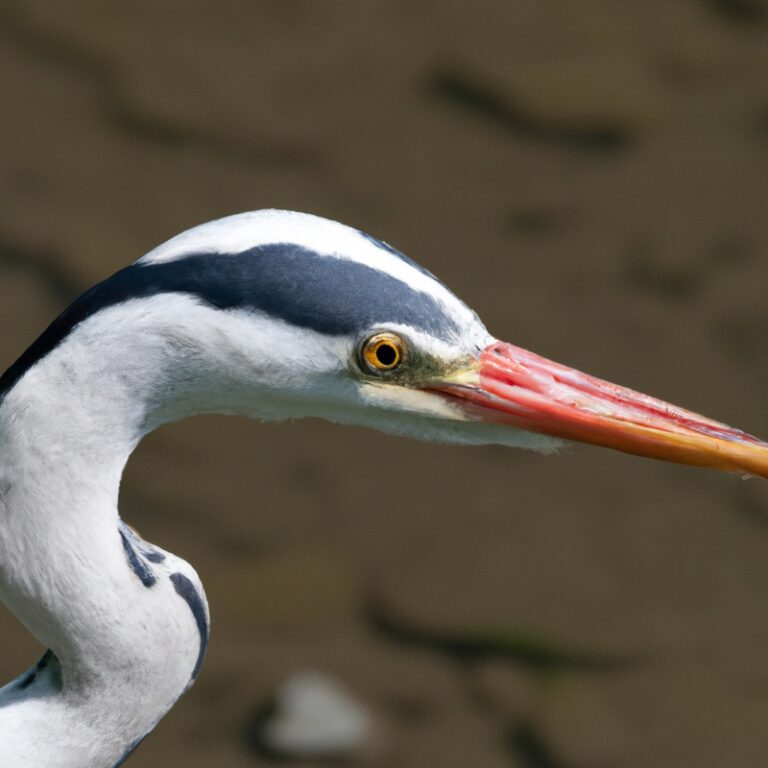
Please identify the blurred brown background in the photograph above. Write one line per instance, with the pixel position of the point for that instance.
(591, 177)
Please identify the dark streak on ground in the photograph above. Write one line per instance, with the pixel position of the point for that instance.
(742, 11)
(253, 731)
(526, 746)
(106, 80)
(468, 646)
(529, 749)
(473, 96)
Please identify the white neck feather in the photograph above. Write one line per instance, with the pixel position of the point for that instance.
(124, 651)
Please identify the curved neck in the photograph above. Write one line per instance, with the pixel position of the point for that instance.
(67, 429)
(59, 480)
(106, 604)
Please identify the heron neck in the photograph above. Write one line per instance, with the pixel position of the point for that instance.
(59, 479)
(67, 429)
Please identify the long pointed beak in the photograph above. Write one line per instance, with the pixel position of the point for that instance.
(519, 388)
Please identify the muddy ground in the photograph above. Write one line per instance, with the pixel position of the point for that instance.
(591, 176)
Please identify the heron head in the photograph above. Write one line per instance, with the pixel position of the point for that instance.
(345, 327)
(285, 315)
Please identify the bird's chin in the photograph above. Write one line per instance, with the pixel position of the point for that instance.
(434, 416)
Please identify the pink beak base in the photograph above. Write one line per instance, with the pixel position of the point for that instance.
(519, 388)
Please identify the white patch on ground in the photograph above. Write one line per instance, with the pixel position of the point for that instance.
(316, 717)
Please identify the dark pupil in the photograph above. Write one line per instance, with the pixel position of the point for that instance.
(386, 354)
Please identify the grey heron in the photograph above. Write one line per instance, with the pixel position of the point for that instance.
(273, 315)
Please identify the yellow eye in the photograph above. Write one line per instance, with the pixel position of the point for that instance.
(383, 352)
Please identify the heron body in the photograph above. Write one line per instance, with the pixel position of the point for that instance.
(271, 315)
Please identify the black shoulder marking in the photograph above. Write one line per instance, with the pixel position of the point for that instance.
(26, 681)
(131, 749)
(144, 548)
(30, 677)
(138, 566)
(186, 589)
(324, 293)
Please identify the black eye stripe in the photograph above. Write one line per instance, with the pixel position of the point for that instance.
(323, 293)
